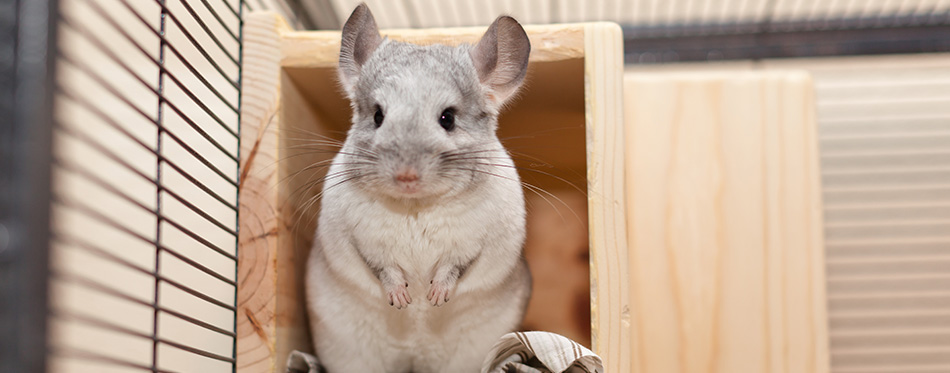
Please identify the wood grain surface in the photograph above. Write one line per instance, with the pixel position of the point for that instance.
(260, 303)
(723, 213)
(610, 300)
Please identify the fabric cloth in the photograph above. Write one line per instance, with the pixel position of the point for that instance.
(540, 352)
(302, 362)
(519, 352)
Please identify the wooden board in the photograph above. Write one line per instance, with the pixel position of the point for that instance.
(260, 304)
(548, 42)
(610, 304)
(723, 213)
(290, 91)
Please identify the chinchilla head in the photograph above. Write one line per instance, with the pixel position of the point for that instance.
(425, 117)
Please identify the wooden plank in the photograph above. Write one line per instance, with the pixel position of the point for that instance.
(610, 307)
(723, 202)
(322, 48)
(258, 297)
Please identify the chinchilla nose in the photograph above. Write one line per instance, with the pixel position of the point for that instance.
(407, 175)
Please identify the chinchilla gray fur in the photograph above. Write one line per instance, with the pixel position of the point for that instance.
(417, 262)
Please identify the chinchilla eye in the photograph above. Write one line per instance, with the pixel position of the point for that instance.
(447, 119)
(378, 117)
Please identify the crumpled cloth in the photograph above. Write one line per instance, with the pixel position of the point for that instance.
(302, 362)
(540, 352)
(518, 352)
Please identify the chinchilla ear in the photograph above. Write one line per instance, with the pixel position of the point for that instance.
(360, 39)
(501, 58)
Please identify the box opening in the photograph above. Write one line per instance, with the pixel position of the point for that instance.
(544, 130)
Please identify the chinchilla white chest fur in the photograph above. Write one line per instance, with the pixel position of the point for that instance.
(417, 262)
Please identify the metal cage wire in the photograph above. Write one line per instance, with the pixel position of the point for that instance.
(143, 247)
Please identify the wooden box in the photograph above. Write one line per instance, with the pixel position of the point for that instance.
(567, 124)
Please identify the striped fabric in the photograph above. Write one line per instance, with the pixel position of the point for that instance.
(519, 352)
(540, 352)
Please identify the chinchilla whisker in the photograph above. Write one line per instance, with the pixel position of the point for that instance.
(316, 166)
(293, 175)
(486, 173)
(335, 146)
(328, 141)
(537, 190)
(311, 135)
(325, 148)
(475, 157)
(561, 179)
(453, 154)
(305, 208)
(351, 178)
(545, 132)
(476, 149)
(324, 163)
(512, 156)
(557, 210)
(529, 157)
(313, 182)
(284, 158)
(310, 183)
(317, 151)
(301, 141)
(314, 134)
(489, 158)
(314, 141)
(313, 200)
(450, 156)
(359, 152)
